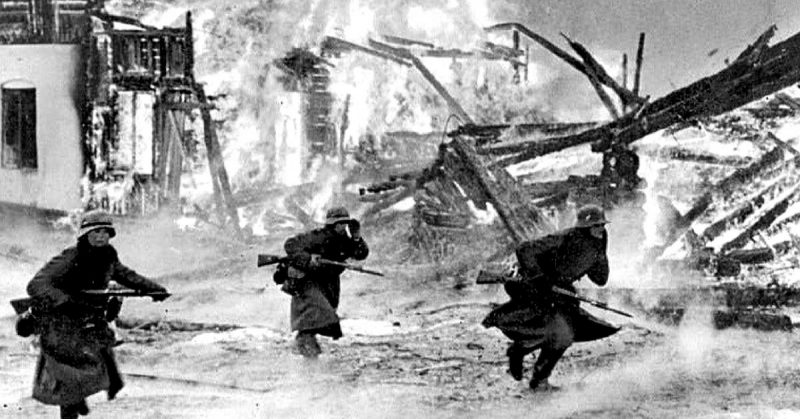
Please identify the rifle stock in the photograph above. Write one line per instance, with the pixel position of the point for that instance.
(265, 259)
(490, 277)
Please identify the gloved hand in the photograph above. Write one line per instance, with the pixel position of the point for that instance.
(314, 261)
(355, 229)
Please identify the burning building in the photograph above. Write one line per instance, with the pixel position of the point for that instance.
(93, 107)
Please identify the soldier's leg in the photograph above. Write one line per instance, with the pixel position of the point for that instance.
(306, 344)
(69, 411)
(560, 336)
(83, 408)
(516, 355)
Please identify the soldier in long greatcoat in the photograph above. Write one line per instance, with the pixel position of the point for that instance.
(76, 358)
(315, 286)
(536, 317)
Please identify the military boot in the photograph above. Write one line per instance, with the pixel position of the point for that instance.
(83, 408)
(542, 386)
(306, 344)
(515, 361)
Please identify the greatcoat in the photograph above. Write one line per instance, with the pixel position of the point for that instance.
(76, 358)
(316, 295)
(557, 259)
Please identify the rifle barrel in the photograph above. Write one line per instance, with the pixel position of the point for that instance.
(597, 304)
(351, 267)
(123, 293)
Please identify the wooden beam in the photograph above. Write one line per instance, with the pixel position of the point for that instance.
(734, 239)
(332, 41)
(747, 207)
(186, 106)
(625, 70)
(217, 164)
(522, 219)
(724, 91)
(638, 72)
(596, 70)
(628, 96)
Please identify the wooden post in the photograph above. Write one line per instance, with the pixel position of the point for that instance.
(340, 148)
(216, 164)
(188, 49)
(175, 152)
(625, 70)
(638, 72)
(515, 38)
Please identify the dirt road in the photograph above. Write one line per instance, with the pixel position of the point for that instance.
(414, 347)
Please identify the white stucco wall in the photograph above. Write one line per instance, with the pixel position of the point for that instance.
(54, 71)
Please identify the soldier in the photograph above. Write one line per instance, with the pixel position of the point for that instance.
(537, 318)
(76, 358)
(315, 286)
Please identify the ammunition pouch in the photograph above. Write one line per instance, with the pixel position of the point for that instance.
(295, 281)
(281, 273)
(113, 308)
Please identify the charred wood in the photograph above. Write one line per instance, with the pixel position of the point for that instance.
(700, 157)
(556, 199)
(388, 202)
(336, 45)
(598, 75)
(726, 90)
(788, 101)
(521, 218)
(752, 256)
(405, 41)
(740, 212)
(782, 144)
(760, 220)
(742, 175)
(602, 76)
(639, 58)
(754, 52)
(486, 135)
(216, 164)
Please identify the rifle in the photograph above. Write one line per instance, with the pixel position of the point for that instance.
(265, 259)
(22, 305)
(489, 277)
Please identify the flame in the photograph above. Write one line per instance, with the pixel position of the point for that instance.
(649, 170)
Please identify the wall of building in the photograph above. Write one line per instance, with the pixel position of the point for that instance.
(55, 72)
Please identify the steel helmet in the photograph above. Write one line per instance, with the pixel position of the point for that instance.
(590, 216)
(94, 220)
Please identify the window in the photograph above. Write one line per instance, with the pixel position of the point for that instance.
(19, 128)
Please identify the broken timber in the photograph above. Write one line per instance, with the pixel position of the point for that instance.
(522, 219)
(219, 176)
(773, 69)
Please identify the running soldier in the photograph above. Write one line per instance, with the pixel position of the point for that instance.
(538, 318)
(315, 286)
(76, 358)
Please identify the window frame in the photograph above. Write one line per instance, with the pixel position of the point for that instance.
(19, 97)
